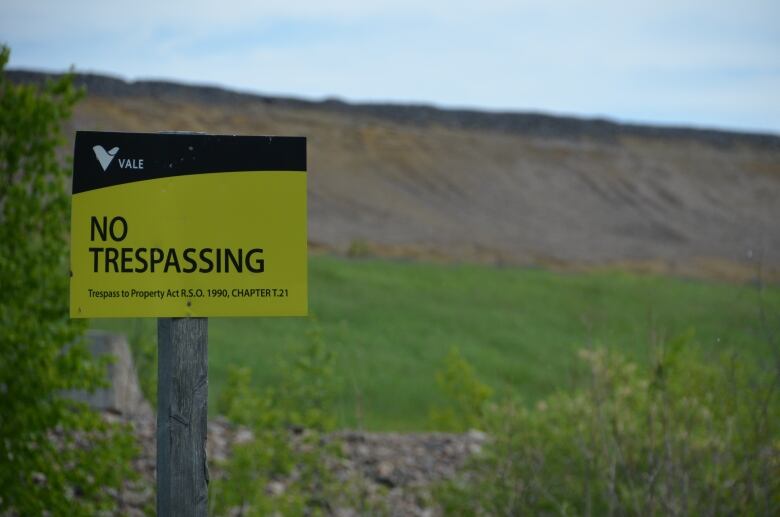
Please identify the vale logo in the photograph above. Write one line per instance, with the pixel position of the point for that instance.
(103, 156)
(106, 157)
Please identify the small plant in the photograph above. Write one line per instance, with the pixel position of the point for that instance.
(358, 248)
(143, 344)
(287, 465)
(467, 396)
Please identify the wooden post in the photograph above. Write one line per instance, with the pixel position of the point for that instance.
(182, 403)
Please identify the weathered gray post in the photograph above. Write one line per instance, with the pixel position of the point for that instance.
(182, 400)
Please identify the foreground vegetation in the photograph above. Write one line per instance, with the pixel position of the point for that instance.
(681, 435)
(390, 325)
(56, 456)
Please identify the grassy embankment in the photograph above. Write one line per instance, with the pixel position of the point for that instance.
(390, 324)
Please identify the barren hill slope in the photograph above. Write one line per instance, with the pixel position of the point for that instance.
(504, 188)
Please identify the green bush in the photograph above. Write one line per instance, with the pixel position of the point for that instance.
(467, 396)
(290, 448)
(684, 437)
(56, 455)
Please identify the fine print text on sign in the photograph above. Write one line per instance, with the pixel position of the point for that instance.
(188, 225)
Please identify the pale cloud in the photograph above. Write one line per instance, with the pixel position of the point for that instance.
(697, 62)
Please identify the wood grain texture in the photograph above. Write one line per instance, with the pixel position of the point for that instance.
(182, 397)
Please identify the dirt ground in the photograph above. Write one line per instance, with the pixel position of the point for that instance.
(660, 201)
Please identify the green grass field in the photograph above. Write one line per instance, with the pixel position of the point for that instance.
(390, 324)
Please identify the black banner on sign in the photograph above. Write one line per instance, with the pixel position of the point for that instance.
(103, 159)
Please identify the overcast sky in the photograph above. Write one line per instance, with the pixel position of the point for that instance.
(711, 63)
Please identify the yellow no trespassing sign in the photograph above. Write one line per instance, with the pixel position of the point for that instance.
(188, 225)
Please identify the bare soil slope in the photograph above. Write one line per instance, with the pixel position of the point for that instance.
(503, 188)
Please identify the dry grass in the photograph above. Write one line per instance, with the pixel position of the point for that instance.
(649, 205)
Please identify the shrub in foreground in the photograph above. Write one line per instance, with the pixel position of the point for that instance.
(56, 456)
(287, 465)
(466, 396)
(679, 438)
